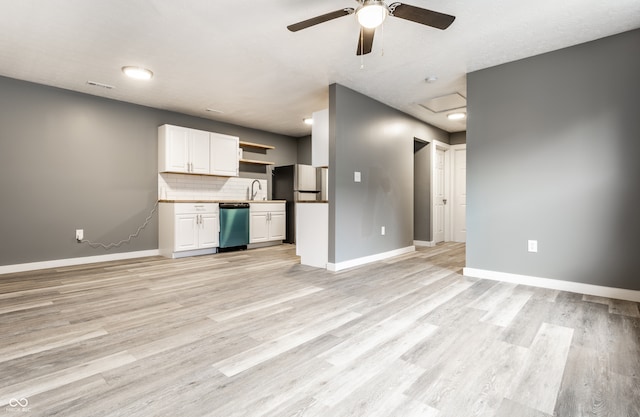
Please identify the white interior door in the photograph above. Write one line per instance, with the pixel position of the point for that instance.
(460, 195)
(439, 196)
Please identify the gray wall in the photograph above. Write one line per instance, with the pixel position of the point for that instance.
(422, 192)
(304, 150)
(376, 140)
(70, 160)
(553, 154)
(458, 138)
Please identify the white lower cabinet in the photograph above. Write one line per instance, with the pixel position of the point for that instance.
(187, 229)
(267, 222)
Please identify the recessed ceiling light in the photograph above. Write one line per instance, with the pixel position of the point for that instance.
(431, 79)
(308, 120)
(138, 73)
(456, 116)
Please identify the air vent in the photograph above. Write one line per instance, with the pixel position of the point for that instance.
(101, 85)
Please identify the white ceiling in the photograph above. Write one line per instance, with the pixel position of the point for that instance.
(238, 57)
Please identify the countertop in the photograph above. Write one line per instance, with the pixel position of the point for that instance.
(222, 201)
(313, 201)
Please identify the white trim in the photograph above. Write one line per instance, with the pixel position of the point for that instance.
(554, 284)
(334, 267)
(429, 244)
(452, 190)
(437, 145)
(264, 244)
(59, 263)
(190, 253)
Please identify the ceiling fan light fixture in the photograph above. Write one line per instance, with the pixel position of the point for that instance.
(372, 13)
(137, 73)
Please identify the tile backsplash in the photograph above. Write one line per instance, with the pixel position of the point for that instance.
(202, 187)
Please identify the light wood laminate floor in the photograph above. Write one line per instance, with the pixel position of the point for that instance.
(254, 333)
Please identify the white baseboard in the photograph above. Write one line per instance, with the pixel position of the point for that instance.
(554, 284)
(59, 263)
(424, 243)
(264, 244)
(334, 267)
(189, 253)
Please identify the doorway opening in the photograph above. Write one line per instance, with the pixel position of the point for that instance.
(439, 192)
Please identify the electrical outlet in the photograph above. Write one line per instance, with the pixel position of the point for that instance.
(532, 245)
(382, 231)
(79, 234)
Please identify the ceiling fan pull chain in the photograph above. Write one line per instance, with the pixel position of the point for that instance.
(382, 36)
(361, 48)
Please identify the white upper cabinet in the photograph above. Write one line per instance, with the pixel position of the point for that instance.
(320, 139)
(199, 147)
(183, 150)
(173, 149)
(224, 155)
(193, 151)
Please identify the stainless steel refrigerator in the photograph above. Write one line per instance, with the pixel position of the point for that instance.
(295, 183)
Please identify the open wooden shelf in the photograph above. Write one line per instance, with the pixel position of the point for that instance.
(253, 161)
(244, 144)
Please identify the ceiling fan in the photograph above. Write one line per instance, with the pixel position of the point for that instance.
(371, 14)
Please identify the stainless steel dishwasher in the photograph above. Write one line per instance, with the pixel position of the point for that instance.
(234, 226)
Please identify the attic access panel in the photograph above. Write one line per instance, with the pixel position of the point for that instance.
(445, 103)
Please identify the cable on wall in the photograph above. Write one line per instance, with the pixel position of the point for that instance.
(123, 241)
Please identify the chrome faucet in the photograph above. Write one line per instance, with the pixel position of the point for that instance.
(253, 193)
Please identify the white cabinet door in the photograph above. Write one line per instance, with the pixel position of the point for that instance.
(208, 233)
(224, 155)
(277, 226)
(173, 149)
(186, 232)
(259, 227)
(199, 151)
(183, 150)
(268, 222)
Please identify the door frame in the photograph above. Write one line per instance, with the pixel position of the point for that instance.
(452, 190)
(449, 181)
(437, 145)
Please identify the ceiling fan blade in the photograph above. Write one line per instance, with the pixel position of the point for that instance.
(420, 15)
(320, 19)
(365, 40)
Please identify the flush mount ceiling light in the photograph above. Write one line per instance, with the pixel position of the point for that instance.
(308, 120)
(456, 116)
(137, 73)
(372, 13)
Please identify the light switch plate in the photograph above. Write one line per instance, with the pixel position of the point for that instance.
(356, 176)
(532, 245)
